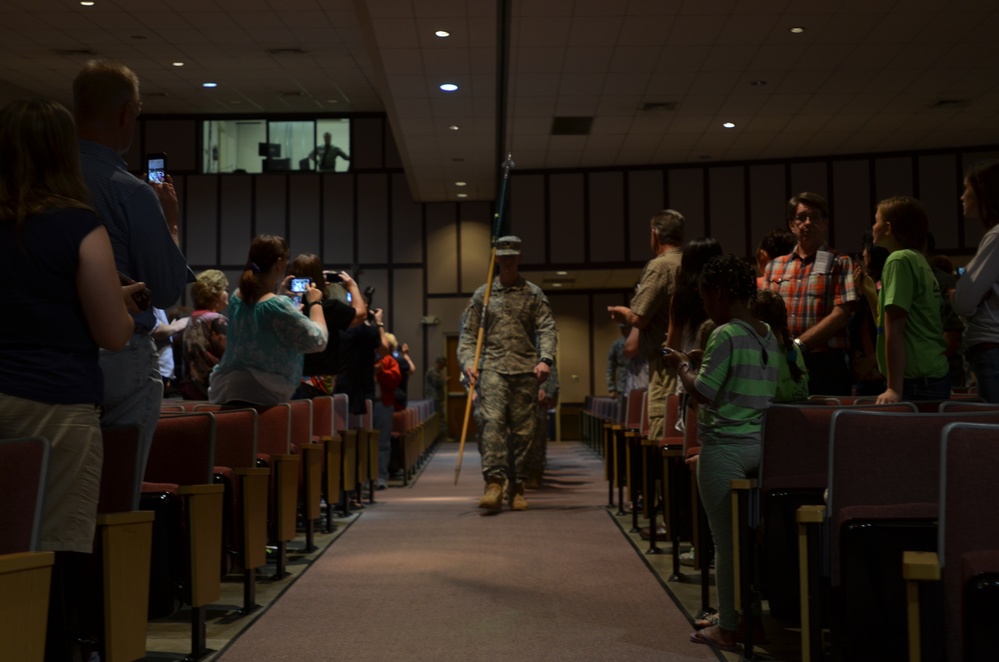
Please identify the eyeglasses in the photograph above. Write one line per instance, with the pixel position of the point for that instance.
(814, 217)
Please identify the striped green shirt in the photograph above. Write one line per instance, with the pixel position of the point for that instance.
(739, 378)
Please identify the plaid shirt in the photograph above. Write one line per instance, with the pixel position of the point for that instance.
(810, 295)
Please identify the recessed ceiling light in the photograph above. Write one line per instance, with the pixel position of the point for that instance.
(449, 87)
(462, 195)
(209, 84)
(442, 33)
(797, 29)
(87, 3)
(178, 64)
(556, 284)
(454, 127)
(332, 101)
(561, 273)
(729, 125)
(460, 184)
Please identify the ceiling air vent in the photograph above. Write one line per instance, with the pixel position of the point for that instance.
(286, 51)
(950, 103)
(571, 126)
(658, 107)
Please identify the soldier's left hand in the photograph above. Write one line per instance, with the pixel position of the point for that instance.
(541, 371)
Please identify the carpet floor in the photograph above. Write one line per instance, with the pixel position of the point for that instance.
(425, 575)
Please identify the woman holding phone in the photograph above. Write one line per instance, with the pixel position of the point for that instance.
(268, 336)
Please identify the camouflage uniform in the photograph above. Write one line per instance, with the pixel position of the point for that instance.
(617, 368)
(507, 390)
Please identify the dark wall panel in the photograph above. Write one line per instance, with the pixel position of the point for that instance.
(475, 220)
(407, 223)
(303, 204)
(201, 222)
(810, 176)
(728, 208)
(442, 248)
(606, 199)
(372, 218)
(893, 176)
(566, 210)
(407, 309)
(940, 192)
(236, 214)
(178, 139)
(271, 198)
(338, 220)
(367, 147)
(645, 198)
(851, 210)
(527, 215)
(768, 201)
(686, 195)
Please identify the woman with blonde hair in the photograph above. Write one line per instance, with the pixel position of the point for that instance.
(204, 340)
(62, 300)
(268, 336)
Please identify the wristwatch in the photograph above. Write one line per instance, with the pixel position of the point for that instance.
(548, 362)
(800, 345)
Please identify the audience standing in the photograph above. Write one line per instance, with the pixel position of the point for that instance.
(734, 385)
(976, 296)
(816, 283)
(61, 301)
(911, 351)
(776, 243)
(650, 310)
(143, 222)
(320, 368)
(267, 336)
(863, 325)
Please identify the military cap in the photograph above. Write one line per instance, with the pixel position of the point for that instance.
(508, 245)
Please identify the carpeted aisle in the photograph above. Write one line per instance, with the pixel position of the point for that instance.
(424, 575)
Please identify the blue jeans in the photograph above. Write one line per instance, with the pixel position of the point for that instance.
(133, 389)
(986, 368)
(926, 388)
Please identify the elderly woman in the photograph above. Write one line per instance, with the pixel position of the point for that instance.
(268, 336)
(205, 336)
(62, 301)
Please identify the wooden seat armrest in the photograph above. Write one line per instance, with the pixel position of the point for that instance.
(810, 514)
(744, 484)
(252, 471)
(186, 490)
(126, 517)
(921, 566)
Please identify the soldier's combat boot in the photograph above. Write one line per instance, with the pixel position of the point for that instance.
(518, 502)
(493, 498)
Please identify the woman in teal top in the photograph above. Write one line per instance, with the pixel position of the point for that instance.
(268, 336)
(911, 348)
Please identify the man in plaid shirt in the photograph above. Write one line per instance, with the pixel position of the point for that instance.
(816, 283)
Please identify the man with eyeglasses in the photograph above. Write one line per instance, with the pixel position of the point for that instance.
(142, 221)
(816, 283)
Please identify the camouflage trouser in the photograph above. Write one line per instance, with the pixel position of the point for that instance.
(535, 461)
(506, 414)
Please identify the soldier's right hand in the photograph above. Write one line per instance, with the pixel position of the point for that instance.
(473, 376)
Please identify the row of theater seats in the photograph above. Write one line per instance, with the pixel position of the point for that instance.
(220, 485)
(845, 491)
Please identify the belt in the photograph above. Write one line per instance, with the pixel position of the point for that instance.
(980, 348)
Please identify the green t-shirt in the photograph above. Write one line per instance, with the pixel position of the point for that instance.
(738, 376)
(908, 282)
(789, 390)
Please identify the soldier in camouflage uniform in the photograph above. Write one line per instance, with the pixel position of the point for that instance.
(507, 382)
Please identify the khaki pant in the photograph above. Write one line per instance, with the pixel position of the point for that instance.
(662, 382)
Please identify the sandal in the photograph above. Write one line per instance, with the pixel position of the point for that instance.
(702, 637)
(705, 619)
